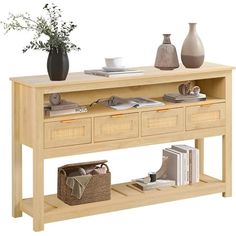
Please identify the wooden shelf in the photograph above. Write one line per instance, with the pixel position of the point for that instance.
(103, 128)
(100, 110)
(124, 196)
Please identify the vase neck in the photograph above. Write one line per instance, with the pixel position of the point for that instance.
(166, 39)
(192, 28)
(58, 50)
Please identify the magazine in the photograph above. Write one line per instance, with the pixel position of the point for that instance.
(119, 103)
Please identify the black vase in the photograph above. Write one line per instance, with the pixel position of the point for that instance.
(57, 64)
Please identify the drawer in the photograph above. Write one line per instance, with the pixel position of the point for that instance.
(68, 132)
(114, 127)
(162, 121)
(205, 116)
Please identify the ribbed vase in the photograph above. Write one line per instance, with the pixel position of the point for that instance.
(57, 64)
(166, 58)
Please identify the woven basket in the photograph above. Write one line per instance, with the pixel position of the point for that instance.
(98, 188)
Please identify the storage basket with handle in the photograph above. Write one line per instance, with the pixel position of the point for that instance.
(97, 189)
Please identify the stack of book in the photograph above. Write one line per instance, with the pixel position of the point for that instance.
(177, 97)
(183, 164)
(118, 73)
(64, 108)
(159, 183)
(180, 166)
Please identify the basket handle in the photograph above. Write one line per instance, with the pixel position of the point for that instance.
(104, 164)
(84, 163)
(61, 170)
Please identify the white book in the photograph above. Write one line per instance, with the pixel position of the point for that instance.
(79, 109)
(184, 166)
(176, 97)
(174, 166)
(193, 154)
(124, 73)
(159, 183)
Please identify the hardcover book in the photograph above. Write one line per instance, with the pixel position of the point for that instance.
(127, 72)
(174, 166)
(159, 183)
(177, 98)
(78, 109)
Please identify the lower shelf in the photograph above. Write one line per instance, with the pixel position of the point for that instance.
(124, 196)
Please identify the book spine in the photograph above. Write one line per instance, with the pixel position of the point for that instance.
(187, 168)
(64, 107)
(197, 165)
(180, 170)
(190, 166)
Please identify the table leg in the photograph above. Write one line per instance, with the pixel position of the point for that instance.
(199, 143)
(16, 154)
(16, 179)
(227, 139)
(38, 192)
(38, 162)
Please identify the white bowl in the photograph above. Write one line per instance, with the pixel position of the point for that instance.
(114, 62)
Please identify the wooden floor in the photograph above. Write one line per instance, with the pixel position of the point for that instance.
(124, 196)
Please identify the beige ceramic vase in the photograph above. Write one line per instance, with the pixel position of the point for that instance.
(192, 53)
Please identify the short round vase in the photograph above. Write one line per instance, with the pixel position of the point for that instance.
(57, 64)
(192, 53)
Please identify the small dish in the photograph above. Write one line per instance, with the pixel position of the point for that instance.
(113, 69)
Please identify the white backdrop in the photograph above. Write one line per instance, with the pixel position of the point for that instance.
(132, 29)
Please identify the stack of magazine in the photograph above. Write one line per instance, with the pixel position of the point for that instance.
(183, 164)
(64, 108)
(177, 97)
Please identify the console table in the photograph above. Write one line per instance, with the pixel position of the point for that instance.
(102, 128)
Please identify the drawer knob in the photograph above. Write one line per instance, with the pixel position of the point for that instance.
(163, 110)
(67, 121)
(205, 105)
(117, 115)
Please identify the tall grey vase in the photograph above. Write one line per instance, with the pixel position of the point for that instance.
(166, 58)
(192, 53)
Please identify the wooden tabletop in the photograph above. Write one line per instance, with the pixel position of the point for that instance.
(150, 72)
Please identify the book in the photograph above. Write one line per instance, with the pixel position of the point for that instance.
(177, 98)
(51, 113)
(119, 103)
(174, 166)
(193, 154)
(159, 183)
(64, 105)
(145, 102)
(184, 165)
(127, 72)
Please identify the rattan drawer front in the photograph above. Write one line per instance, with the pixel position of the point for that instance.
(205, 116)
(116, 127)
(162, 121)
(68, 132)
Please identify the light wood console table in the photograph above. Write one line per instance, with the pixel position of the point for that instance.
(105, 129)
